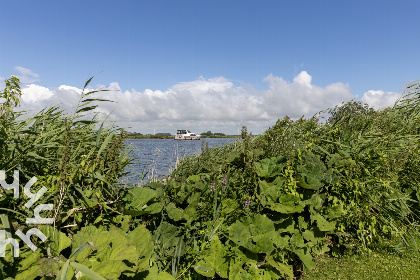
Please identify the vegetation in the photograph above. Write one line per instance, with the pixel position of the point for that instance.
(276, 206)
(376, 265)
(136, 135)
(209, 134)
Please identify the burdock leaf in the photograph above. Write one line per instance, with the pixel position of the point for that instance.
(213, 260)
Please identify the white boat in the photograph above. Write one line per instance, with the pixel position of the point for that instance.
(184, 134)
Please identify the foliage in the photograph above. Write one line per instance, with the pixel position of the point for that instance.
(259, 208)
(75, 157)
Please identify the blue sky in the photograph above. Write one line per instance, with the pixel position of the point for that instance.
(240, 50)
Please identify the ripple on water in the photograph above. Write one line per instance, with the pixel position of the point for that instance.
(155, 158)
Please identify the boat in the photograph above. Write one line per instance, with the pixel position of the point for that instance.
(184, 134)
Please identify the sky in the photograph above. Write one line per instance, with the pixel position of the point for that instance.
(210, 65)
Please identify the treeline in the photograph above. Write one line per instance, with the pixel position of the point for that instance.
(208, 134)
(136, 135)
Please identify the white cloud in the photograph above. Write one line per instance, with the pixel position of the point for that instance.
(304, 79)
(214, 104)
(380, 99)
(301, 97)
(70, 88)
(35, 93)
(26, 75)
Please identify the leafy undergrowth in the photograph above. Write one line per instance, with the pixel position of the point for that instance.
(374, 266)
(270, 207)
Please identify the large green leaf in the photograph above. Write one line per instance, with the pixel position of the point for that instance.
(139, 196)
(322, 223)
(113, 251)
(270, 192)
(141, 237)
(311, 172)
(270, 167)
(288, 203)
(213, 260)
(255, 234)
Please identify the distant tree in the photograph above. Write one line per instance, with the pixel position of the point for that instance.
(134, 134)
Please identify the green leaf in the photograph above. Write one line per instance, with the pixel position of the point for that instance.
(193, 179)
(105, 143)
(322, 223)
(204, 270)
(281, 241)
(174, 213)
(271, 191)
(288, 203)
(80, 249)
(99, 134)
(154, 274)
(228, 206)
(270, 167)
(63, 272)
(61, 242)
(32, 154)
(311, 172)
(95, 99)
(86, 271)
(284, 269)
(255, 234)
(87, 82)
(213, 260)
(84, 109)
(112, 250)
(305, 257)
(28, 265)
(139, 196)
(141, 237)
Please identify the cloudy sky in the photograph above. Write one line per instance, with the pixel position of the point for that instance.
(210, 65)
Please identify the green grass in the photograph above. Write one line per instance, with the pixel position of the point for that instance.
(373, 266)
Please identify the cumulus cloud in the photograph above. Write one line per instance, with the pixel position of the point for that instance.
(26, 75)
(380, 99)
(35, 93)
(214, 104)
(301, 97)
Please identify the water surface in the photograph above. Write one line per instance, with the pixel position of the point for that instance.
(155, 158)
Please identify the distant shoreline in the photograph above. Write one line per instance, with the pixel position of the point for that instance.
(172, 137)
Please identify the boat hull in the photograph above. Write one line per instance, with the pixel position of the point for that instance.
(182, 137)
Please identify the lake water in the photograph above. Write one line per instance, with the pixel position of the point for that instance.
(157, 157)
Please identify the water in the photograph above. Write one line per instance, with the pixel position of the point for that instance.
(155, 158)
